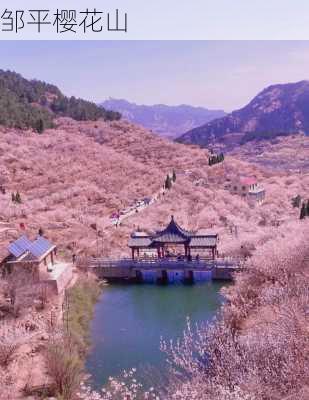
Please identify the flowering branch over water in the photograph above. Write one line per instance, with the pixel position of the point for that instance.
(128, 388)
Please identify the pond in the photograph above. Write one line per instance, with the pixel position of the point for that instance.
(129, 321)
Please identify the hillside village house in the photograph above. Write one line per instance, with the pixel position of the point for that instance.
(174, 241)
(38, 257)
(248, 188)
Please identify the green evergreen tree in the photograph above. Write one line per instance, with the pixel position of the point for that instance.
(215, 159)
(174, 176)
(307, 211)
(17, 198)
(303, 211)
(296, 201)
(40, 126)
(168, 182)
(13, 197)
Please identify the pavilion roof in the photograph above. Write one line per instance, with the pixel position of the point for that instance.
(136, 241)
(203, 241)
(248, 180)
(173, 233)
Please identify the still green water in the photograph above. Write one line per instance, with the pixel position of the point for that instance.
(129, 321)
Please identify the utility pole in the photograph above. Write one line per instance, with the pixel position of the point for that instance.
(97, 243)
(66, 311)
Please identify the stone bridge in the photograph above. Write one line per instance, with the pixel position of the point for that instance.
(161, 270)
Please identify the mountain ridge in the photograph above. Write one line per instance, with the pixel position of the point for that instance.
(165, 120)
(278, 110)
(34, 104)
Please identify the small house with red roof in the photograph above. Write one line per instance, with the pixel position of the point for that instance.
(247, 187)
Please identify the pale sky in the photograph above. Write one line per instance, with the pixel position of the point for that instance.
(214, 74)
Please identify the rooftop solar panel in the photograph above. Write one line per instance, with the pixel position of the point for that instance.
(40, 246)
(20, 246)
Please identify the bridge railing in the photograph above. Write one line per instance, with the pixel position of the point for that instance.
(159, 263)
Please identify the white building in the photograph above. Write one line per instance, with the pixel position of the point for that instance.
(247, 187)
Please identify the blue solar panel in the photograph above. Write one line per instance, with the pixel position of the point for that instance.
(20, 246)
(40, 246)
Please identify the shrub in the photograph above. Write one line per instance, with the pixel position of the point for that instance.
(7, 351)
(11, 337)
(64, 366)
(64, 355)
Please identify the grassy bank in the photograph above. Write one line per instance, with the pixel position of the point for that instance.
(66, 352)
(79, 306)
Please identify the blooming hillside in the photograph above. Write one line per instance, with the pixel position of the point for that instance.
(283, 153)
(72, 178)
(69, 180)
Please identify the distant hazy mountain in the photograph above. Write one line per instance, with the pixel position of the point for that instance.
(278, 110)
(165, 120)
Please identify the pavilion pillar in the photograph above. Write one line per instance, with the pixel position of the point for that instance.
(52, 257)
(138, 252)
(132, 249)
(158, 250)
(213, 253)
